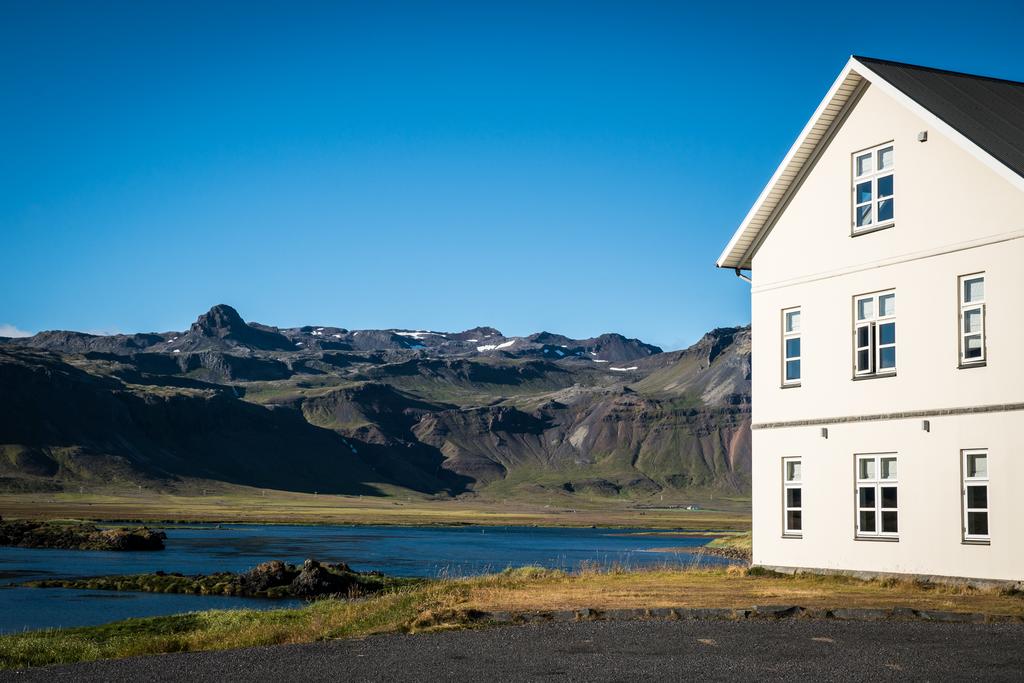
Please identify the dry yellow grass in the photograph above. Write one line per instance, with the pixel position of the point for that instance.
(446, 604)
(734, 587)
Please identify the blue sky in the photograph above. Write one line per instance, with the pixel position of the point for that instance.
(575, 167)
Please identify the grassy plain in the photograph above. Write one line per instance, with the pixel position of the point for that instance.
(400, 507)
(448, 604)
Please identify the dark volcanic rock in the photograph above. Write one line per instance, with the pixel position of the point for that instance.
(222, 323)
(610, 347)
(29, 534)
(267, 575)
(274, 579)
(314, 580)
(99, 430)
(131, 539)
(79, 342)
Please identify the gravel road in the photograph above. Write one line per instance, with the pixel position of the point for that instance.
(605, 651)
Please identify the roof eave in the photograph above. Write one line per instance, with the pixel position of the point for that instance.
(738, 252)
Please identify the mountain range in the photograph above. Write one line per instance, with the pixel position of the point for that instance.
(373, 412)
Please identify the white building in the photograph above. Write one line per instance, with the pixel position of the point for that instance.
(886, 256)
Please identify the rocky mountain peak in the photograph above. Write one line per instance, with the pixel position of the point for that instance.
(720, 338)
(220, 321)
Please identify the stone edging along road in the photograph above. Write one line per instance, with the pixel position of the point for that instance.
(767, 612)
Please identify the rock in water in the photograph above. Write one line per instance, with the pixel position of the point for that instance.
(132, 539)
(29, 534)
(314, 580)
(268, 575)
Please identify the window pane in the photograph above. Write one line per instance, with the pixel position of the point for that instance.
(794, 521)
(885, 186)
(977, 465)
(887, 333)
(863, 336)
(890, 522)
(863, 193)
(887, 304)
(977, 523)
(865, 309)
(793, 321)
(977, 497)
(972, 347)
(888, 468)
(864, 215)
(889, 497)
(867, 521)
(793, 498)
(885, 158)
(863, 361)
(887, 358)
(867, 468)
(864, 164)
(974, 290)
(972, 320)
(866, 499)
(792, 370)
(793, 348)
(793, 470)
(885, 210)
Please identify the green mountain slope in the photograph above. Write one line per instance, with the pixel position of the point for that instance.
(309, 409)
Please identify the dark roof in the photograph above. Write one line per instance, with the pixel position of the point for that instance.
(987, 111)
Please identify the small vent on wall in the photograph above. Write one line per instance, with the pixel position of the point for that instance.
(922, 136)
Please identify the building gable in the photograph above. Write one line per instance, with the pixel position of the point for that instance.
(970, 111)
(943, 197)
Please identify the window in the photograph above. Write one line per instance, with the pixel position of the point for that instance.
(975, 493)
(873, 194)
(972, 319)
(791, 346)
(877, 496)
(792, 503)
(874, 334)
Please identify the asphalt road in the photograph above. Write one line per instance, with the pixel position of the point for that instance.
(605, 651)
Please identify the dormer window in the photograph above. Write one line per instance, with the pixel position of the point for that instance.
(873, 192)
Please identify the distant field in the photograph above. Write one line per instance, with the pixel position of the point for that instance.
(240, 504)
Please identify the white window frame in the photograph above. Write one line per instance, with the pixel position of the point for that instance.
(876, 483)
(871, 324)
(971, 482)
(787, 335)
(968, 307)
(789, 484)
(872, 177)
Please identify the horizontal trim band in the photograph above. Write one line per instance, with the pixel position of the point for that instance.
(757, 287)
(905, 415)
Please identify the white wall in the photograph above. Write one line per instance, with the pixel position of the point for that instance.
(929, 476)
(944, 197)
(954, 216)
(927, 340)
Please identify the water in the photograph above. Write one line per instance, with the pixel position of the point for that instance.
(399, 551)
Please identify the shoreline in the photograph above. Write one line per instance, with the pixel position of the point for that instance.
(529, 594)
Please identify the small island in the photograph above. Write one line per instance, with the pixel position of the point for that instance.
(77, 536)
(274, 579)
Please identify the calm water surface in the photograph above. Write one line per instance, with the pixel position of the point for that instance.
(400, 551)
